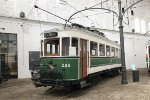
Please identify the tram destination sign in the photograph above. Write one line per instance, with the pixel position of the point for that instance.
(50, 34)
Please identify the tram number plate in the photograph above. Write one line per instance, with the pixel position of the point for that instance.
(65, 65)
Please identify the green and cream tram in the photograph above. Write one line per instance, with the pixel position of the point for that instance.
(75, 57)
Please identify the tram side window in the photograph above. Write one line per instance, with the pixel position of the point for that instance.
(119, 53)
(74, 48)
(149, 50)
(42, 48)
(107, 50)
(101, 50)
(93, 48)
(113, 52)
(65, 46)
(52, 47)
(116, 52)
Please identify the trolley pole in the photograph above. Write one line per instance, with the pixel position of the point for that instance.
(123, 65)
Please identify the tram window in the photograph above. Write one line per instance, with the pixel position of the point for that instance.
(101, 50)
(112, 51)
(52, 47)
(65, 46)
(42, 48)
(107, 50)
(149, 50)
(116, 52)
(119, 53)
(93, 48)
(74, 48)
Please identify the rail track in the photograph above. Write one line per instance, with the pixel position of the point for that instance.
(73, 93)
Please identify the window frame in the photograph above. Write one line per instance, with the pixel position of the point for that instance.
(77, 47)
(96, 50)
(45, 47)
(109, 51)
(65, 53)
(117, 52)
(103, 48)
(113, 51)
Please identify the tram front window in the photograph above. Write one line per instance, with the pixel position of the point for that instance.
(52, 47)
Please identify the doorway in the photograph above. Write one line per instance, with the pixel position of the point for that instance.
(83, 58)
(8, 55)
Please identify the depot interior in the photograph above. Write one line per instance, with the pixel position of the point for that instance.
(21, 25)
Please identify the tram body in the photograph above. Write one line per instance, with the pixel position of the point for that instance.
(74, 57)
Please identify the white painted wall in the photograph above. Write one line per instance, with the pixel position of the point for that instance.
(135, 50)
(29, 34)
(28, 39)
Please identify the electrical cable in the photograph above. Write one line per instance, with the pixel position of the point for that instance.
(127, 20)
(82, 13)
(132, 6)
(140, 6)
(39, 21)
(30, 11)
(76, 10)
(127, 15)
(32, 8)
(50, 13)
(90, 15)
(35, 6)
(98, 4)
(89, 9)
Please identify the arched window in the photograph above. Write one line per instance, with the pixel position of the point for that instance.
(143, 26)
(137, 25)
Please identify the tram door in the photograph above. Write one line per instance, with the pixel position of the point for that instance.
(83, 58)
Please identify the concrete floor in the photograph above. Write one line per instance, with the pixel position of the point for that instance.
(108, 89)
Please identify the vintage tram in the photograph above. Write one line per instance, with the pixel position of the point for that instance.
(74, 56)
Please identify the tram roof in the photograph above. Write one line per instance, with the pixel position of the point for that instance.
(82, 30)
